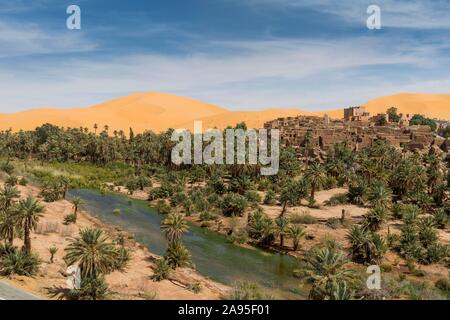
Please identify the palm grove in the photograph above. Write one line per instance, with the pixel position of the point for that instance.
(395, 185)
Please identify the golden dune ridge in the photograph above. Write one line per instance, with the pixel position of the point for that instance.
(160, 111)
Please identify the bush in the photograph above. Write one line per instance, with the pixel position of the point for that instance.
(177, 256)
(270, 198)
(18, 262)
(163, 208)
(337, 199)
(12, 181)
(69, 219)
(253, 198)
(443, 284)
(303, 218)
(23, 181)
(90, 289)
(161, 270)
(177, 199)
(233, 204)
(195, 287)
(333, 223)
(7, 167)
(123, 257)
(248, 291)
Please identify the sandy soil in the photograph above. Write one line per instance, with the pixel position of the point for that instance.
(159, 111)
(134, 283)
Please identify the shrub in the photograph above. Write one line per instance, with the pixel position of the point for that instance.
(303, 218)
(163, 208)
(23, 181)
(18, 262)
(253, 197)
(161, 270)
(337, 199)
(270, 198)
(177, 199)
(11, 181)
(375, 218)
(69, 219)
(122, 259)
(7, 167)
(178, 256)
(442, 284)
(90, 289)
(248, 291)
(334, 223)
(207, 216)
(195, 287)
(233, 204)
(441, 218)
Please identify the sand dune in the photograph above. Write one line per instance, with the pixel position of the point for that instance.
(159, 111)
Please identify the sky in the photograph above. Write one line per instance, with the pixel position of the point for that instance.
(238, 54)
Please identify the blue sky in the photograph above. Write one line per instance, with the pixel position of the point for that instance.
(239, 54)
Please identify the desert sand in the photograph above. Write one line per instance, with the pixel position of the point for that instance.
(160, 111)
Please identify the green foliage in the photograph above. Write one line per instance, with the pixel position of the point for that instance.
(233, 204)
(18, 262)
(161, 270)
(253, 198)
(270, 198)
(418, 119)
(7, 167)
(70, 219)
(303, 218)
(178, 256)
(375, 218)
(248, 291)
(337, 199)
(327, 271)
(261, 228)
(366, 247)
(91, 288)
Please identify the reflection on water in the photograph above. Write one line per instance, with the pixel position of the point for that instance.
(212, 254)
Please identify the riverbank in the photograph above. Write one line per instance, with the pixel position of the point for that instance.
(134, 283)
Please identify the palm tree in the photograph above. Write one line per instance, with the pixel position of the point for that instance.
(8, 196)
(327, 270)
(8, 224)
(295, 232)
(29, 212)
(380, 196)
(173, 227)
(375, 218)
(177, 255)
(316, 176)
(282, 225)
(93, 253)
(76, 202)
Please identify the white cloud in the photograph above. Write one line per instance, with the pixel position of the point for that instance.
(416, 14)
(255, 74)
(28, 39)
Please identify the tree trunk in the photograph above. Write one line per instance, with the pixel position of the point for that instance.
(295, 245)
(313, 191)
(281, 240)
(27, 240)
(283, 211)
(11, 238)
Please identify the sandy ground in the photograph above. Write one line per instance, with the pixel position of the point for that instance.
(134, 283)
(159, 111)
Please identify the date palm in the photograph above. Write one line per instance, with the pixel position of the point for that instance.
(8, 196)
(316, 176)
(296, 233)
(76, 202)
(173, 227)
(29, 212)
(92, 252)
(8, 224)
(326, 268)
(282, 226)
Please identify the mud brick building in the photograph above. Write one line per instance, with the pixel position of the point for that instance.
(358, 130)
